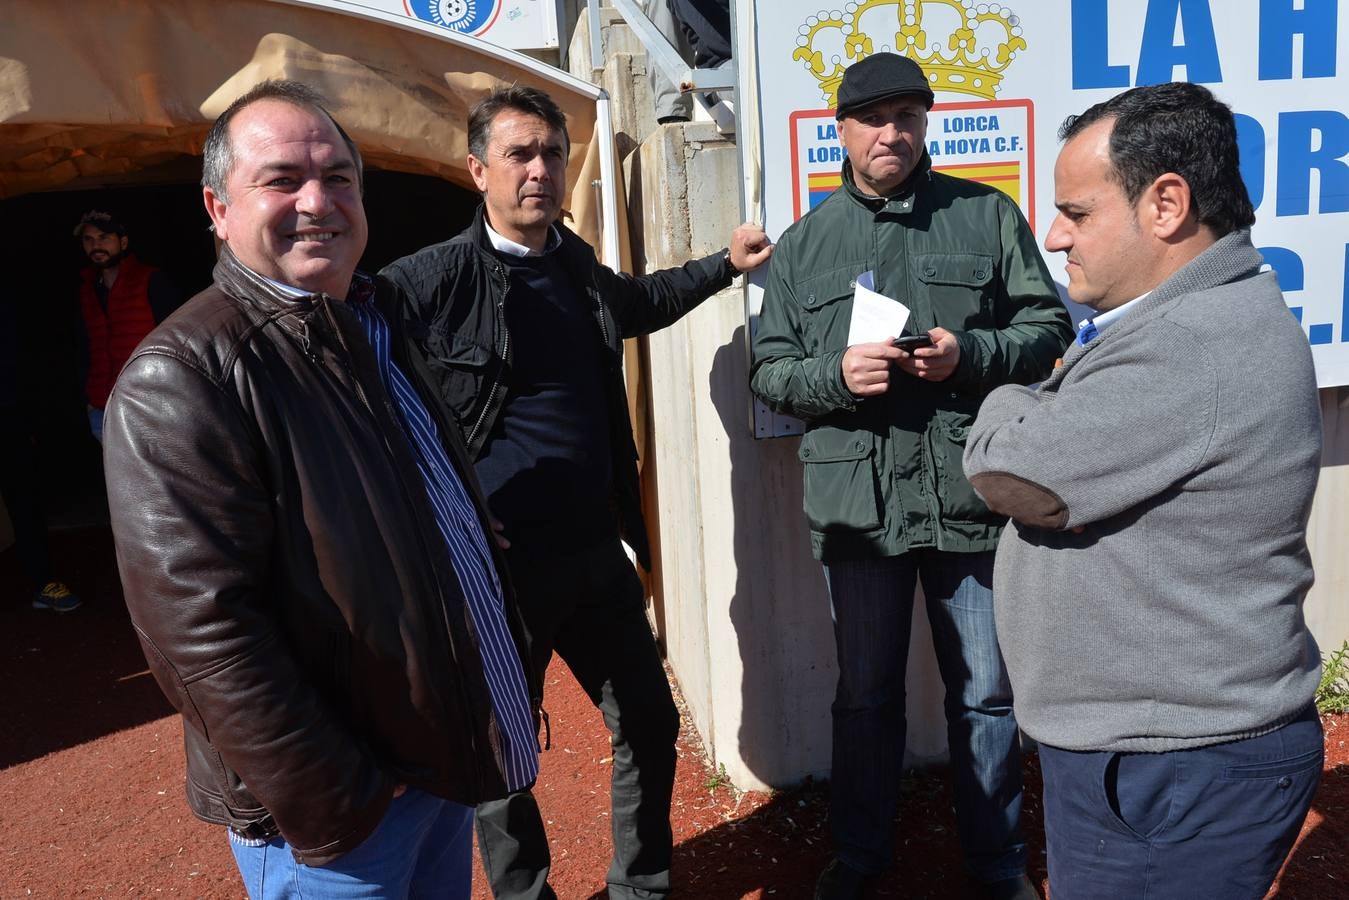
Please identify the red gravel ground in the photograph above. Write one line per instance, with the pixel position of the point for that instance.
(91, 772)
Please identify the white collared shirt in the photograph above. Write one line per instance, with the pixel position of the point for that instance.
(286, 289)
(506, 245)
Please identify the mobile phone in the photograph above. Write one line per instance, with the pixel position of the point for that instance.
(911, 342)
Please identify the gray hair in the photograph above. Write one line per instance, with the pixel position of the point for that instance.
(218, 153)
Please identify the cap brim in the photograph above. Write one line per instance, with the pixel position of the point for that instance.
(927, 96)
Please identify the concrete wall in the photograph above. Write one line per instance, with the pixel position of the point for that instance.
(1328, 532)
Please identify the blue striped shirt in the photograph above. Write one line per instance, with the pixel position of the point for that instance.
(1089, 329)
(458, 521)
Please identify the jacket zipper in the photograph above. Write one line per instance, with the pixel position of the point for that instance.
(599, 310)
(421, 536)
(500, 271)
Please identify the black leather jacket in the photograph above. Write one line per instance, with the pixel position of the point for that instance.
(456, 293)
(284, 572)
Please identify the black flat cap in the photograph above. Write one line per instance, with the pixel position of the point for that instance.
(879, 77)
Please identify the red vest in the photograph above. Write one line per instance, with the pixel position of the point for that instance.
(114, 334)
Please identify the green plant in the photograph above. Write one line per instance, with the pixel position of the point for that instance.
(717, 779)
(1332, 694)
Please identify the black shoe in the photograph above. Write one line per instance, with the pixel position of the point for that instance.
(839, 881)
(1018, 888)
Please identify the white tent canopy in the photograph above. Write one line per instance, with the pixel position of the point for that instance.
(96, 92)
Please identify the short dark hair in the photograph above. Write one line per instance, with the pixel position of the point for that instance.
(1176, 127)
(218, 152)
(528, 100)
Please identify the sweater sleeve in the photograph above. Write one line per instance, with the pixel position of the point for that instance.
(1134, 418)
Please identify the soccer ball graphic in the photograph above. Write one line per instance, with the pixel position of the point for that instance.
(454, 14)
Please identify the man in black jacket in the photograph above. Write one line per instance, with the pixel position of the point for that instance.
(523, 330)
(303, 545)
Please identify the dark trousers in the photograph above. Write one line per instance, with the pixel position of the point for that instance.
(1215, 822)
(18, 487)
(588, 605)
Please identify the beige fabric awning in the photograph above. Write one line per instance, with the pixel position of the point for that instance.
(104, 91)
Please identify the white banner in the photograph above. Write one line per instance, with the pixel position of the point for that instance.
(1008, 75)
(513, 24)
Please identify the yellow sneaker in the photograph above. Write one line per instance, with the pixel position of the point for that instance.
(56, 597)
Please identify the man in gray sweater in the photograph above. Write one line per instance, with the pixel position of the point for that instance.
(1149, 593)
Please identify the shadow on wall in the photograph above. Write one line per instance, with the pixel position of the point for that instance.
(780, 608)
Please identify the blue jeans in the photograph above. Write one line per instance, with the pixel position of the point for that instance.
(423, 847)
(873, 611)
(1214, 822)
(96, 424)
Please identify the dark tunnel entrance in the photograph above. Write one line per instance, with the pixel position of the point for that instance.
(168, 230)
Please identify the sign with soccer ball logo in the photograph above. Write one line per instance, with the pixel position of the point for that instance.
(514, 24)
(464, 16)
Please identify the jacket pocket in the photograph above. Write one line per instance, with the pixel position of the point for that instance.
(461, 369)
(950, 432)
(1296, 765)
(842, 490)
(456, 350)
(959, 288)
(826, 310)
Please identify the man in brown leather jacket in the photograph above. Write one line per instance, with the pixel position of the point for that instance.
(303, 545)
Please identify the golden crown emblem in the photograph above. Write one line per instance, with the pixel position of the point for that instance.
(975, 44)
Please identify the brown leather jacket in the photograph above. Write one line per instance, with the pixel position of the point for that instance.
(284, 571)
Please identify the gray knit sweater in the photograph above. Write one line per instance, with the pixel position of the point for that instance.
(1185, 442)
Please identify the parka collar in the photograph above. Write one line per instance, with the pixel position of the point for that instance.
(902, 199)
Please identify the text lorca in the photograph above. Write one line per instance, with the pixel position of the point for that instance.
(977, 135)
(980, 137)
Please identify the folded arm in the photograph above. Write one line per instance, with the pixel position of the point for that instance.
(1138, 418)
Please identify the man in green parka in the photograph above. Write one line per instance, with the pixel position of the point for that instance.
(886, 498)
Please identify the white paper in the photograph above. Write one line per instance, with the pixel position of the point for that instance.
(875, 317)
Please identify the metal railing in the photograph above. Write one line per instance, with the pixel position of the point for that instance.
(665, 57)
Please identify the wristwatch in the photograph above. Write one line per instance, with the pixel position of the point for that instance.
(730, 265)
